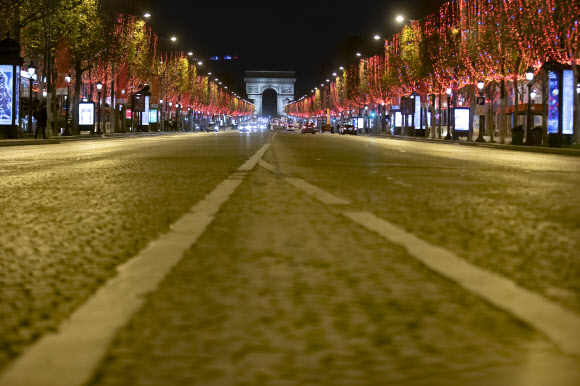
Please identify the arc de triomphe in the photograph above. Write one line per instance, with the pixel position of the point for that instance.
(280, 81)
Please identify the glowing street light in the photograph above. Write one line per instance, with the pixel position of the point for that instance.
(31, 71)
(448, 136)
(530, 79)
(480, 86)
(358, 54)
(400, 19)
(173, 38)
(377, 37)
(199, 63)
(147, 15)
(189, 53)
(99, 88)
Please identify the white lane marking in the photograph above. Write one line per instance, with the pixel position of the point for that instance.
(391, 179)
(560, 325)
(265, 165)
(249, 164)
(314, 191)
(70, 356)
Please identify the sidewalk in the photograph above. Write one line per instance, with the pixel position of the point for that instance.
(488, 144)
(55, 139)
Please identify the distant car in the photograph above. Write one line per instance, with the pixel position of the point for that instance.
(290, 127)
(347, 129)
(308, 128)
(213, 126)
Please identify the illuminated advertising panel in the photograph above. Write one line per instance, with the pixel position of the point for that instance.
(86, 113)
(568, 87)
(128, 113)
(6, 93)
(417, 114)
(398, 119)
(553, 103)
(145, 114)
(360, 123)
(17, 95)
(153, 116)
(461, 118)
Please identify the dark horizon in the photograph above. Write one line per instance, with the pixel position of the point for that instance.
(311, 38)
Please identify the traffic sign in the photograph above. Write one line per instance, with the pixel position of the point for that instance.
(480, 105)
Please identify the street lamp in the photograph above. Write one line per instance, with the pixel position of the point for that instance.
(67, 132)
(147, 15)
(358, 54)
(99, 88)
(400, 19)
(480, 86)
(31, 71)
(530, 79)
(448, 136)
(377, 37)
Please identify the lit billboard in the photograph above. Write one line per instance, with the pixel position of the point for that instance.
(6, 94)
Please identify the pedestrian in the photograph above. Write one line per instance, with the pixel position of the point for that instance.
(41, 117)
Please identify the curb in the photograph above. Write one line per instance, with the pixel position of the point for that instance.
(87, 137)
(523, 148)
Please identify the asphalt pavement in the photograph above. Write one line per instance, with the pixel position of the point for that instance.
(279, 286)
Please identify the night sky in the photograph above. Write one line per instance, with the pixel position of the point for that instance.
(312, 38)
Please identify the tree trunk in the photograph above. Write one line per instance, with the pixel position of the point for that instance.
(471, 112)
(501, 115)
(439, 126)
(76, 99)
(490, 120)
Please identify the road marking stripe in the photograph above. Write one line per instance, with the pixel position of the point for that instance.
(70, 356)
(314, 191)
(249, 164)
(265, 165)
(560, 325)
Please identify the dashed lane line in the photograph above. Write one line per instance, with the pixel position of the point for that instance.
(71, 355)
(557, 323)
(314, 191)
(560, 325)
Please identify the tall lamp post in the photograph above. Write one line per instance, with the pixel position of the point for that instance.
(530, 79)
(480, 86)
(31, 71)
(161, 120)
(448, 136)
(67, 132)
(169, 111)
(99, 88)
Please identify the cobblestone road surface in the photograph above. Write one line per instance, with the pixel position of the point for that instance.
(281, 289)
(512, 212)
(72, 212)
